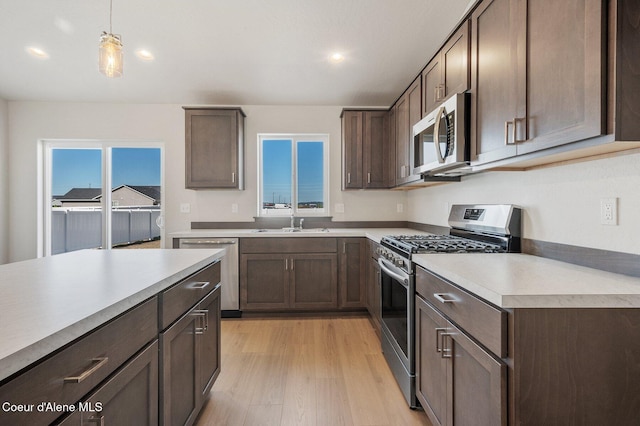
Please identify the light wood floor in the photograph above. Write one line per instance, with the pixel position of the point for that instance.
(305, 371)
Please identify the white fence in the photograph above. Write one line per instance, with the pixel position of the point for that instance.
(80, 229)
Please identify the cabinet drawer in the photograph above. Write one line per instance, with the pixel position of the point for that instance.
(288, 245)
(178, 299)
(484, 322)
(70, 374)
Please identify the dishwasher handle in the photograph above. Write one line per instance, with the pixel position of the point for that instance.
(207, 242)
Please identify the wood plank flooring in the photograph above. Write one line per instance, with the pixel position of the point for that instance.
(305, 371)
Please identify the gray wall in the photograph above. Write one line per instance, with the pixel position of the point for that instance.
(4, 181)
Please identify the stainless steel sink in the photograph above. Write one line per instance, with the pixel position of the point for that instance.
(288, 230)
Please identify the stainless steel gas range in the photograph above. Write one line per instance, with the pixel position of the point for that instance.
(489, 228)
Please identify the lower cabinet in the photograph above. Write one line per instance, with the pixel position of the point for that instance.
(457, 381)
(190, 361)
(373, 289)
(130, 397)
(352, 261)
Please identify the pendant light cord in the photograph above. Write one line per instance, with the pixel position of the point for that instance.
(110, 15)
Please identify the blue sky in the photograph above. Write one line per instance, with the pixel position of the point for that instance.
(277, 170)
(82, 168)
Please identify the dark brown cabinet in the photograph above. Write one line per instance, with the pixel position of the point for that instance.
(374, 292)
(366, 149)
(537, 78)
(190, 361)
(129, 397)
(352, 261)
(214, 148)
(408, 111)
(458, 380)
(448, 72)
(280, 274)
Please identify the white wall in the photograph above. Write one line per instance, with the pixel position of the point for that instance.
(4, 181)
(33, 121)
(561, 204)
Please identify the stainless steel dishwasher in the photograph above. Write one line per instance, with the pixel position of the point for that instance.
(230, 296)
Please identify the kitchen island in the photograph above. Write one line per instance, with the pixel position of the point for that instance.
(110, 303)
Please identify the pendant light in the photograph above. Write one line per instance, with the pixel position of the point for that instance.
(110, 52)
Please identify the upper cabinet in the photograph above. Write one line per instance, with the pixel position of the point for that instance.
(537, 76)
(448, 71)
(214, 142)
(408, 111)
(366, 149)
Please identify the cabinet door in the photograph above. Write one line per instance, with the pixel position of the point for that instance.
(129, 397)
(314, 281)
(431, 367)
(455, 63)
(352, 149)
(432, 82)
(376, 149)
(352, 270)
(264, 281)
(408, 113)
(179, 398)
(565, 76)
(213, 141)
(209, 347)
(478, 387)
(497, 78)
(373, 293)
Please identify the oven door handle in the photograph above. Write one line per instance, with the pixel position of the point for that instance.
(394, 272)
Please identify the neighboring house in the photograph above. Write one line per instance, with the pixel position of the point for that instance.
(122, 196)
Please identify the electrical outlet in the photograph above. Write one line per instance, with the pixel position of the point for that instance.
(234, 208)
(400, 207)
(185, 208)
(609, 211)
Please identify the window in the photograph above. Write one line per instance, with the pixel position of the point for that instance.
(81, 178)
(293, 175)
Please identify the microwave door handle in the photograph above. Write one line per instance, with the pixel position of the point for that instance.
(436, 135)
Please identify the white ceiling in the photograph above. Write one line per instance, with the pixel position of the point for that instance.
(225, 52)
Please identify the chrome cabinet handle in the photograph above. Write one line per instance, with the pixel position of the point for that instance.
(204, 313)
(200, 284)
(201, 326)
(514, 131)
(292, 264)
(348, 177)
(233, 177)
(447, 352)
(438, 331)
(506, 132)
(440, 297)
(368, 177)
(286, 264)
(96, 364)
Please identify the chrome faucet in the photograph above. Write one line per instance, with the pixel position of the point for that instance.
(301, 220)
(291, 223)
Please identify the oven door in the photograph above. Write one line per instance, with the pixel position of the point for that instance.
(398, 291)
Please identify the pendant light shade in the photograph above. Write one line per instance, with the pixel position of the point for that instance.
(110, 63)
(110, 52)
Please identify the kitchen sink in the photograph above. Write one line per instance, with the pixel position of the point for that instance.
(288, 230)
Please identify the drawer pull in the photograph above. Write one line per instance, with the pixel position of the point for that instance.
(96, 364)
(440, 297)
(201, 325)
(205, 314)
(201, 284)
(97, 420)
(438, 331)
(446, 352)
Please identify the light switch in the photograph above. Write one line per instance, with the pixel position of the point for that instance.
(185, 208)
(234, 208)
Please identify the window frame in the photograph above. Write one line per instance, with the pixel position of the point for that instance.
(45, 170)
(295, 138)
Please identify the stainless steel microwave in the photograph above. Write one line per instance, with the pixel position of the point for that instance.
(440, 140)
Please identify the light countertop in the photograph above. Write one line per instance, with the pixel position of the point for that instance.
(374, 234)
(524, 281)
(48, 302)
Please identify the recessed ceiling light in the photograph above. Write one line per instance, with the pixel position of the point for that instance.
(144, 54)
(36, 52)
(336, 58)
